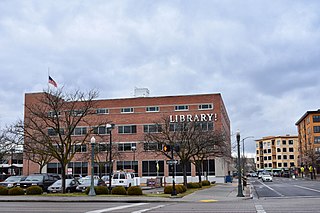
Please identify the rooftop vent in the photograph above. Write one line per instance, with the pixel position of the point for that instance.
(141, 92)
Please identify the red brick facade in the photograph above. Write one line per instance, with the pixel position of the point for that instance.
(214, 110)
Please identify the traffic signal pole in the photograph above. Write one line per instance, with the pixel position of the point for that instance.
(174, 192)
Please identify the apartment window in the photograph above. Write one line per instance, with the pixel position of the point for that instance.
(152, 128)
(316, 129)
(257, 158)
(269, 157)
(205, 106)
(278, 150)
(269, 150)
(80, 148)
(127, 110)
(291, 149)
(257, 151)
(265, 151)
(316, 118)
(130, 129)
(279, 165)
(181, 108)
(151, 146)
(270, 165)
(291, 157)
(285, 165)
(317, 139)
(80, 131)
(278, 142)
(102, 111)
(290, 142)
(100, 130)
(284, 149)
(285, 157)
(265, 158)
(126, 146)
(284, 142)
(291, 164)
(279, 157)
(265, 165)
(152, 109)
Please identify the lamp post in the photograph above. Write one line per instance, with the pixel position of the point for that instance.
(110, 127)
(92, 142)
(134, 148)
(240, 193)
(243, 157)
(174, 192)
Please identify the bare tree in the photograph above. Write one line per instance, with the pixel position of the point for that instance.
(52, 120)
(196, 141)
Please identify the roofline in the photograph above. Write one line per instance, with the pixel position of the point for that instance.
(306, 114)
(279, 136)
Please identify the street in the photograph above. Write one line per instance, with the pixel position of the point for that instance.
(281, 195)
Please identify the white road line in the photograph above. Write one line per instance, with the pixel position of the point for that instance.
(117, 208)
(259, 209)
(145, 210)
(272, 189)
(302, 187)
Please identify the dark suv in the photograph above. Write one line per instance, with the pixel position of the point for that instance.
(43, 180)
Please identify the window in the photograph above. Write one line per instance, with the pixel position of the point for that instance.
(284, 142)
(265, 158)
(257, 158)
(290, 142)
(257, 151)
(270, 165)
(175, 127)
(291, 164)
(151, 146)
(52, 114)
(284, 149)
(127, 110)
(208, 167)
(269, 150)
(316, 118)
(152, 128)
(52, 132)
(76, 112)
(285, 164)
(181, 108)
(152, 109)
(179, 169)
(103, 147)
(285, 157)
(100, 130)
(317, 139)
(126, 146)
(268, 144)
(316, 129)
(205, 106)
(152, 168)
(279, 165)
(278, 142)
(123, 165)
(269, 157)
(278, 150)
(80, 148)
(290, 149)
(102, 111)
(80, 131)
(291, 157)
(205, 126)
(131, 129)
(265, 151)
(279, 157)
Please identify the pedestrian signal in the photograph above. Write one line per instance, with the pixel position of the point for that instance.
(166, 148)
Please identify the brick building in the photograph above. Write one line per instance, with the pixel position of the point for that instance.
(277, 152)
(309, 138)
(133, 118)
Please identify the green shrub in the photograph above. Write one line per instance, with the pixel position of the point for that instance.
(193, 185)
(181, 188)
(119, 190)
(3, 190)
(205, 183)
(134, 190)
(16, 191)
(167, 190)
(34, 190)
(101, 190)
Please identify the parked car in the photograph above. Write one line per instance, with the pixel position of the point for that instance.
(43, 180)
(86, 182)
(105, 179)
(125, 179)
(266, 177)
(12, 181)
(71, 186)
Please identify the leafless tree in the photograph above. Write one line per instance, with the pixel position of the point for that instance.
(196, 141)
(53, 119)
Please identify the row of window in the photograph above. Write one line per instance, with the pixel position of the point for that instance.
(132, 129)
(279, 157)
(149, 168)
(280, 165)
(268, 151)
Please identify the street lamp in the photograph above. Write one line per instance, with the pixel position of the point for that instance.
(92, 142)
(134, 148)
(243, 157)
(240, 193)
(110, 127)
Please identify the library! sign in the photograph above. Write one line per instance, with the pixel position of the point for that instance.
(191, 118)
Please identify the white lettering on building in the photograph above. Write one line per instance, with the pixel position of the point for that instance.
(190, 118)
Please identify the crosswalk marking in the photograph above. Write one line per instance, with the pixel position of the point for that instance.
(116, 208)
(145, 210)
(259, 209)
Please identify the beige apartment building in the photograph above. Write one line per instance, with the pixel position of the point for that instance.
(277, 152)
(309, 138)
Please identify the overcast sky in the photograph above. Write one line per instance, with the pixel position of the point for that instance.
(262, 56)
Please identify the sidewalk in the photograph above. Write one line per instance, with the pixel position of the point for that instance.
(219, 192)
